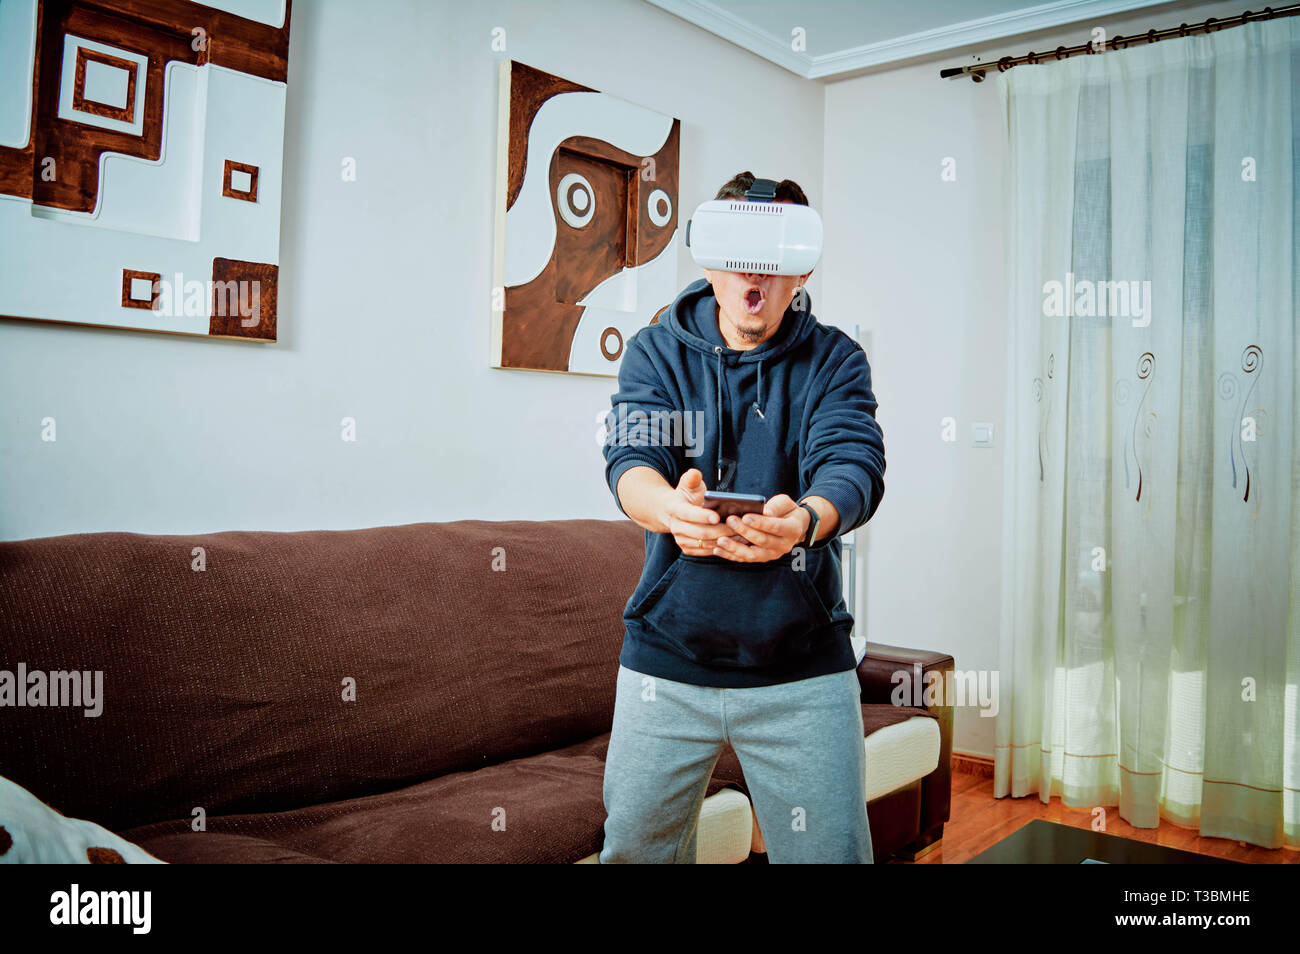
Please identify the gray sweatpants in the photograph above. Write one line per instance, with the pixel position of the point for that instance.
(799, 745)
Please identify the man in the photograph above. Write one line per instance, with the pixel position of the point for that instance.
(737, 632)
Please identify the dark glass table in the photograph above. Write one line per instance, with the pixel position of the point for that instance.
(1048, 843)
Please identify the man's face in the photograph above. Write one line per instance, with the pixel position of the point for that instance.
(751, 306)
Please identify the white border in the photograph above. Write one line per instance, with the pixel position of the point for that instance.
(71, 43)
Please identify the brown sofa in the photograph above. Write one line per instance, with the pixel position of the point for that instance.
(483, 656)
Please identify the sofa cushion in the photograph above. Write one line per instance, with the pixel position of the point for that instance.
(901, 753)
(544, 808)
(469, 643)
(551, 804)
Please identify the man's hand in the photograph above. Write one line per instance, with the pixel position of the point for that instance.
(782, 526)
(694, 526)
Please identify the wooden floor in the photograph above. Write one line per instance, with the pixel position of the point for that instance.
(978, 820)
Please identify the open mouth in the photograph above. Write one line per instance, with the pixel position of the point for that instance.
(754, 300)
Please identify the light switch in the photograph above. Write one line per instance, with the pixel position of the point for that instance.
(981, 435)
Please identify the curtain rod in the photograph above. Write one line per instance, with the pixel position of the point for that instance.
(1210, 25)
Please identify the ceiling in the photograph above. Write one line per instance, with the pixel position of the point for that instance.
(843, 36)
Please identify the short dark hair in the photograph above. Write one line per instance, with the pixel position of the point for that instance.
(787, 190)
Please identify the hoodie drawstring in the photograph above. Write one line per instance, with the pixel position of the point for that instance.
(717, 457)
(758, 406)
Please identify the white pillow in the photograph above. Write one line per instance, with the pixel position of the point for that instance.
(32, 832)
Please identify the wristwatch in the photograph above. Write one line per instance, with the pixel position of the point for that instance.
(812, 525)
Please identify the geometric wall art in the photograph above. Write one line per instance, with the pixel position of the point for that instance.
(141, 153)
(586, 216)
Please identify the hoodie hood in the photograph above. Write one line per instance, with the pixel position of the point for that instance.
(693, 320)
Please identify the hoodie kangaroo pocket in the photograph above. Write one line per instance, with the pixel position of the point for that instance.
(736, 615)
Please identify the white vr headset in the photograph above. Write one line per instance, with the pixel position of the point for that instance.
(757, 235)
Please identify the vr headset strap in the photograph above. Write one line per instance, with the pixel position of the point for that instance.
(763, 190)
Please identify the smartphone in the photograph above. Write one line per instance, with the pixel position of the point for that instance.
(733, 504)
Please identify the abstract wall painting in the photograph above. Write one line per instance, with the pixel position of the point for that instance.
(141, 146)
(585, 223)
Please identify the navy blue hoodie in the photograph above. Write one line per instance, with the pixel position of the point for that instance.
(794, 415)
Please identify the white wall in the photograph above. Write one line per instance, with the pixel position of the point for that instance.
(919, 263)
(384, 294)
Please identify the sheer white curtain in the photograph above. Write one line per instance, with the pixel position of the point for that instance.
(1150, 639)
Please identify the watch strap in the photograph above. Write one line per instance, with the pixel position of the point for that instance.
(813, 524)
